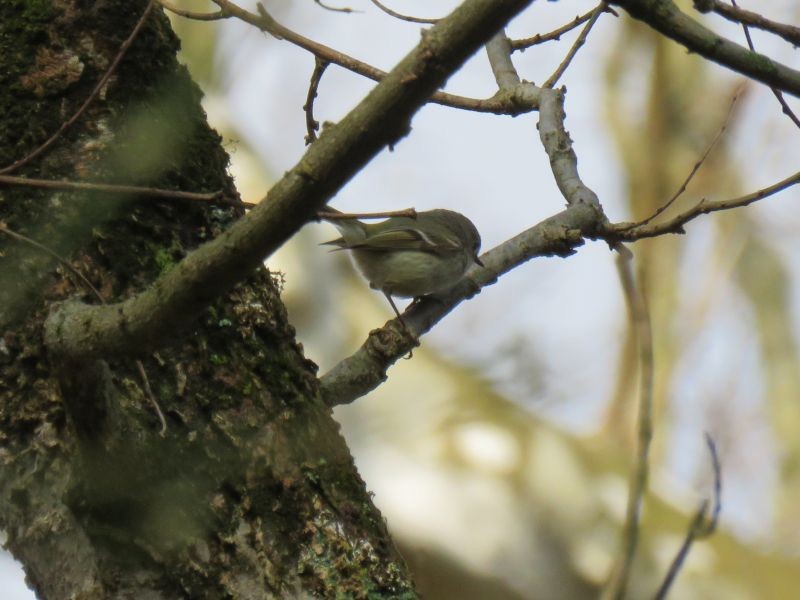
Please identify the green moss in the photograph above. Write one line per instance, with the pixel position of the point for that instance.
(22, 26)
(164, 260)
(218, 359)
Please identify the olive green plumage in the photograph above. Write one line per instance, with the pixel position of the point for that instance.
(411, 257)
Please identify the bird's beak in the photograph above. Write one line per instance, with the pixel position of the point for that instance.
(478, 261)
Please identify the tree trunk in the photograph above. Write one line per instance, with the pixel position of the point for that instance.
(250, 492)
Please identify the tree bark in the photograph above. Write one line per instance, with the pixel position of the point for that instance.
(251, 492)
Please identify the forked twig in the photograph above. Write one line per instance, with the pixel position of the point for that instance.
(541, 38)
(265, 22)
(635, 231)
(739, 90)
(580, 41)
(702, 525)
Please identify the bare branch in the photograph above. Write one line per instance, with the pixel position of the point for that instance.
(790, 33)
(580, 41)
(739, 90)
(111, 188)
(701, 526)
(333, 8)
(558, 145)
(501, 104)
(312, 125)
(778, 96)
(197, 16)
(556, 34)
(148, 390)
(332, 216)
(499, 52)
(33, 243)
(86, 103)
(636, 231)
(403, 17)
(640, 320)
(666, 17)
(172, 302)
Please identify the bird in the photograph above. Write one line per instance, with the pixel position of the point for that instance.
(409, 257)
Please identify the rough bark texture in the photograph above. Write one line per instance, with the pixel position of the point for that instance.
(251, 493)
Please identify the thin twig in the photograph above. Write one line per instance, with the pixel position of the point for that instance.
(95, 92)
(110, 188)
(333, 216)
(775, 91)
(636, 231)
(701, 526)
(197, 16)
(640, 320)
(790, 33)
(403, 17)
(333, 8)
(149, 393)
(541, 38)
(551, 82)
(311, 124)
(26, 240)
(702, 159)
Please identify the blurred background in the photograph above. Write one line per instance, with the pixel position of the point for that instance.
(500, 454)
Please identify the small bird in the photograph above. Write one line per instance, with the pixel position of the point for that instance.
(410, 257)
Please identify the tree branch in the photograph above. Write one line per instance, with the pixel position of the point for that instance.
(699, 163)
(112, 188)
(498, 51)
(556, 34)
(312, 125)
(790, 33)
(787, 110)
(636, 231)
(665, 17)
(501, 104)
(196, 16)
(175, 299)
(402, 17)
(579, 41)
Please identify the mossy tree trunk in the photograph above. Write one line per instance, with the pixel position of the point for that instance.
(251, 492)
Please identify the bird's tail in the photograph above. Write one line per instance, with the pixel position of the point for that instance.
(352, 231)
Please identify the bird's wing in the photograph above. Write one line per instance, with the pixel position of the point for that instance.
(408, 237)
